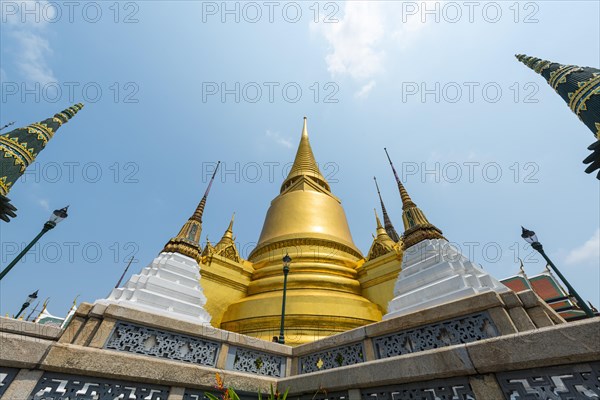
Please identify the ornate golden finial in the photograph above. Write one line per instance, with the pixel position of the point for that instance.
(197, 216)
(382, 243)
(389, 227)
(406, 200)
(226, 246)
(416, 226)
(229, 231)
(305, 163)
(187, 241)
(378, 222)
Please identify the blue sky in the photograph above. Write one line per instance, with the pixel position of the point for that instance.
(483, 143)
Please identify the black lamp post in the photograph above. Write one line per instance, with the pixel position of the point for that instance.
(27, 303)
(531, 238)
(286, 269)
(55, 218)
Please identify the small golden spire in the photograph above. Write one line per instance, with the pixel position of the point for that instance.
(305, 163)
(382, 243)
(226, 246)
(416, 226)
(229, 232)
(379, 226)
(187, 241)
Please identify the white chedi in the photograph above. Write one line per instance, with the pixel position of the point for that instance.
(436, 272)
(169, 286)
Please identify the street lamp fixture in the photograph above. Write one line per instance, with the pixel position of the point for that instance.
(531, 238)
(30, 299)
(56, 217)
(286, 269)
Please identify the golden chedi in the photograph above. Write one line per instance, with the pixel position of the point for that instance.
(324, 295)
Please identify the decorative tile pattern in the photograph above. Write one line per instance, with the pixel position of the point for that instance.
(7, 375)
(332, 358)
(579, 381)
(71, 387)
(255, 362)
(460, 330)
(448, 389)
(152, 342)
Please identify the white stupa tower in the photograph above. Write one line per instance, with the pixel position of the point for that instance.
(170, 285)
(433, 271)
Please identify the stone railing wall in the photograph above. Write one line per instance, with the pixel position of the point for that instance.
(487, 346)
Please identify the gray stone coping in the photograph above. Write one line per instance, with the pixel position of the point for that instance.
(31, 329)
(570, 343)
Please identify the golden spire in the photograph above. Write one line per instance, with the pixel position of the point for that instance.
(382, 235)
(187, 241)
(416, 226)
(305, 163)
(226, 246)
(382, 243)
(228, 235)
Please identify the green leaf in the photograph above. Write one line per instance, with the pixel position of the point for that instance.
(211, 396)
(285, 394)
(233, 395)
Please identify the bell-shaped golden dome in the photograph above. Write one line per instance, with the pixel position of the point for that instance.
(306, 207)
(324, 296)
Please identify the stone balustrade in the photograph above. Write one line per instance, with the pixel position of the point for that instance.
(488, 346)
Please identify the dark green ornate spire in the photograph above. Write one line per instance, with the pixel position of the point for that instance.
(20, 147)
(579, 87)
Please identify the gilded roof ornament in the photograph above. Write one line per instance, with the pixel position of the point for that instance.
(382, 243)
(305, 163)
(226, 246)
(187, 241)
(416, 226)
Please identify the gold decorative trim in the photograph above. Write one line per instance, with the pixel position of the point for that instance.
(224, 281)
(560, 75)
(280, 244)
(381, 279)
(574, 103)
(18, 160)
(3, 186)
(13, 143)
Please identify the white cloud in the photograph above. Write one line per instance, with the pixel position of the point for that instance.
(277, 138)
(365, 90)
(32, 58)
(589, 252)
(359, 41)
(31, 50)
(45, 204)
(355, 39)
